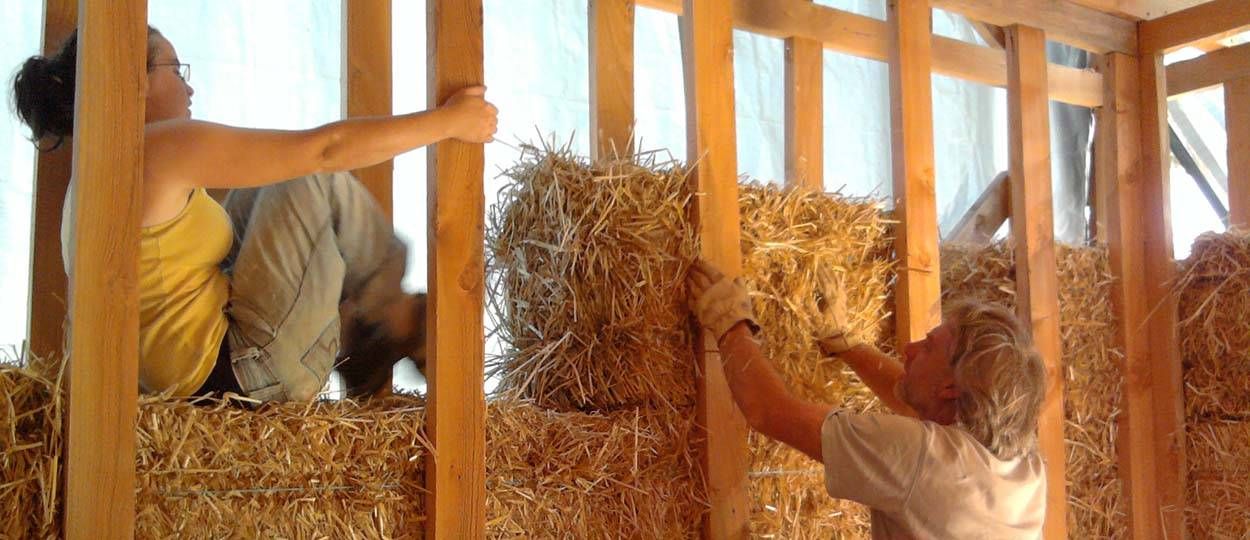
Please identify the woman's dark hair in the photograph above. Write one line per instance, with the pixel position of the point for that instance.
(43, 90)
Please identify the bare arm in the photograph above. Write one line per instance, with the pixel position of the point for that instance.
(880, 372)
(762, 396)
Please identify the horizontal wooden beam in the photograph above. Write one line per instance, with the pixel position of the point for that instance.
(1139, 9)
(1062, 21)
(1211, 69)
(867, 37)
(1219, 18)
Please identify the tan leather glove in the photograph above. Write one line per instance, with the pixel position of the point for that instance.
(833, 336)
(717, 301)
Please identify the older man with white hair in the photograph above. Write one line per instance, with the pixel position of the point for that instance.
(958, 460)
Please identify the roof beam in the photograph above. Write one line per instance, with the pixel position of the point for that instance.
(1219, 18)
(1063, 21)
(1211, 69)
(1139, 9)
(867, 37)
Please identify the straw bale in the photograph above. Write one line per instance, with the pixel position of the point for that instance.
(1091, 359)
(625, 474)
(31, 442)
(588, 265)
(1219, 479)
(1214, 297)
(317, 470)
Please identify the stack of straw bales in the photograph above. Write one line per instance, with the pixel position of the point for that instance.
(1087, 324)
(1214, 296)
(588, 263)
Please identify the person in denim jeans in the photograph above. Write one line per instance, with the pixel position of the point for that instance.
(248, 298)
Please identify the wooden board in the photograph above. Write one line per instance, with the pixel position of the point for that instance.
(1160, 270)
(1121, 204)
(1033, 230)
(1062, 21)
(456, 417)
(986, 215)
(1217, 18)
(367, 81)
(1208, 70)
(49, 288)
(1139, 9)
(918, 303)
(805, 113)
(707, 50)
(611, 38)
(104, 294)
(867, 37)
(1237, 123)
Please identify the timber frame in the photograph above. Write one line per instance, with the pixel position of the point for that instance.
(1129, 90)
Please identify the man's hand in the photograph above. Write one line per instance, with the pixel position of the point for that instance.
(717, 301)
(833, 336)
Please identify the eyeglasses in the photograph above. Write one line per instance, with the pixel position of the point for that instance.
(184, 70)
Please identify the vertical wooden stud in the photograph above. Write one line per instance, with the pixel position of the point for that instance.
(805, 113)
(918, 307)
(707, 47)
(1033, 229)
(1160, 269)
(611, 32)
(49, 287)
(1237, 123)
(367, 81)
(104, 296)
(456, 414)
(1121, 202)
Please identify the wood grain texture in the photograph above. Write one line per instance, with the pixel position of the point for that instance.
(367, 82)
(1119, 183)
(1213, 19)
(1061, 20)
(1160, 270)
(1033, 230)
(1208, 70)
(49, 287)
(706, 30)
(611, 34)
(918, 298)
(805, 112)
(104, 296)
(456, 415)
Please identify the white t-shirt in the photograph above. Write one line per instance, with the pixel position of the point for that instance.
(925, 480)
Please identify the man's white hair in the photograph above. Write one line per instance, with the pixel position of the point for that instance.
(1000, 375)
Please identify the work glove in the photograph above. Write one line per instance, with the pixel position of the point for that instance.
(833, 334)
(718, 301)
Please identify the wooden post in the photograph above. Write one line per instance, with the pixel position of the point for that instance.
(805, 112)
(1160, 269)
(1033, 229)
(49, 286)
(1121, 201)
(611, 32)
(707, 49)
(104, 296)
(367, 81)
(456, 414)
(918, 307)
(1237, 123)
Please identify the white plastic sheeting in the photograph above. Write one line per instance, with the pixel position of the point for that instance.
(277, 64)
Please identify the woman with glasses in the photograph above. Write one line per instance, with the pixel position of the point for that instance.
(247, 298)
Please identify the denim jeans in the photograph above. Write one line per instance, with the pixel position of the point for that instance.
(301, 248)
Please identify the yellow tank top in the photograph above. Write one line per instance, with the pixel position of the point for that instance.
(182, 296)
(182, 293)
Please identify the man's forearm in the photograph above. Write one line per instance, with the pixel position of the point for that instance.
(880, 372)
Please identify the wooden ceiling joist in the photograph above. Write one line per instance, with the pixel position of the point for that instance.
(1139, 9)
(1211, 69)
(867, 37)
(1063, 21)
(1212, 20)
